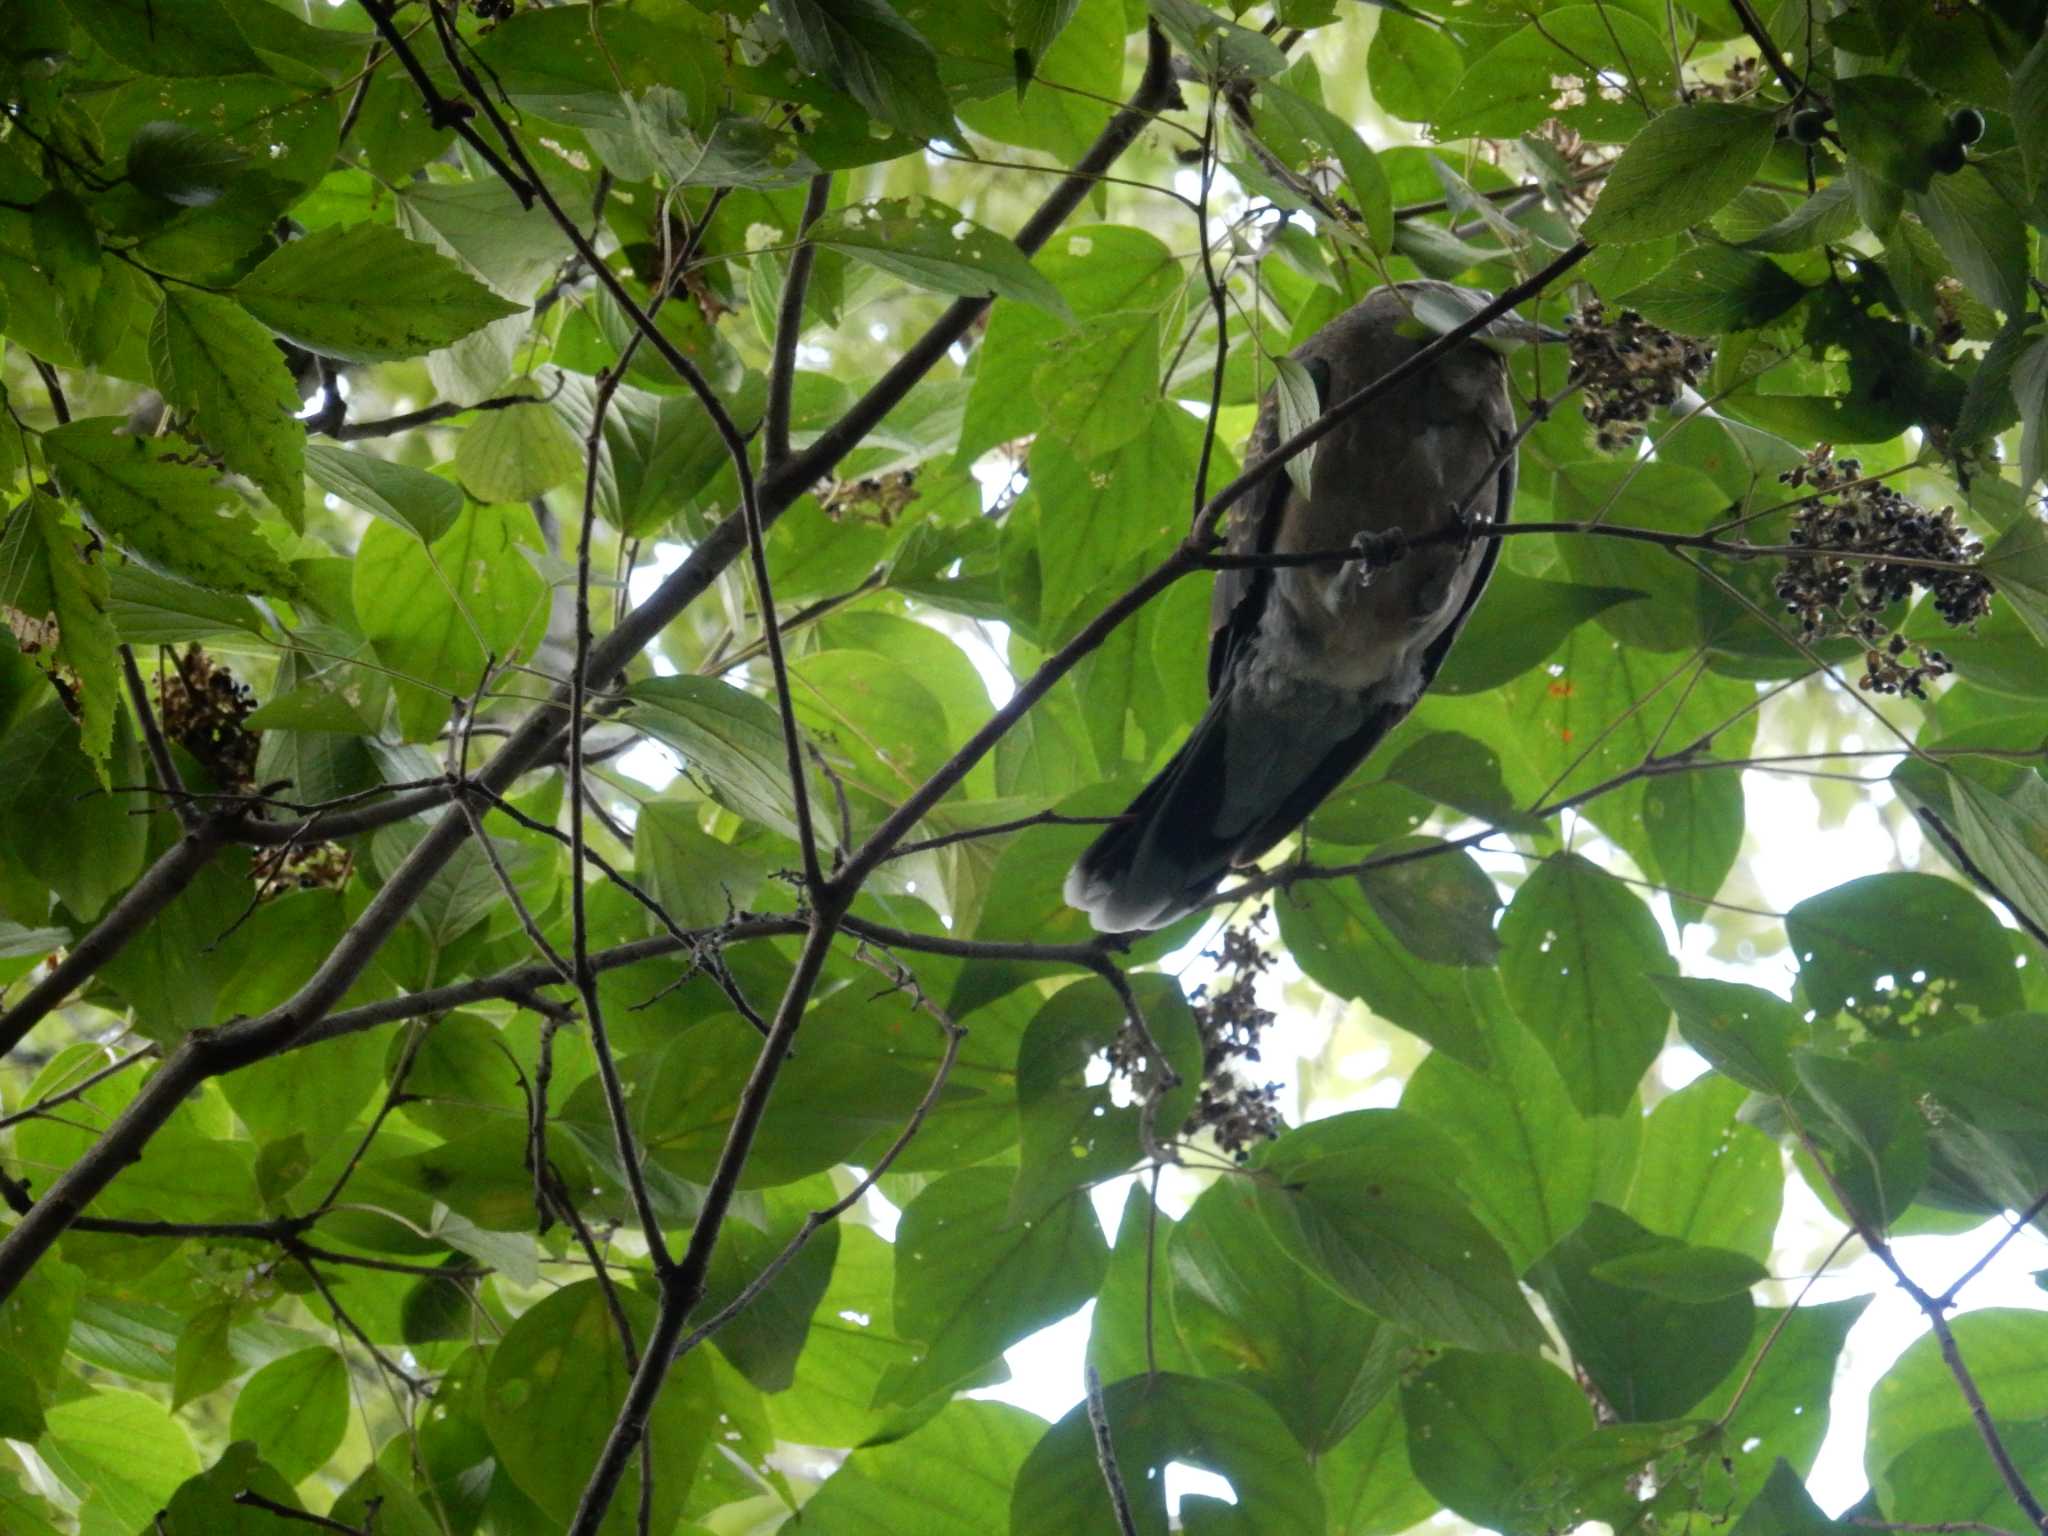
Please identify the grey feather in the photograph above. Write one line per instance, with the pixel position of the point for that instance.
(1311, 666)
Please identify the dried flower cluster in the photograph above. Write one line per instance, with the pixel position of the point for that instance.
(203, 706)
(1628, 367)
(1845, 586)
(1239, 1114)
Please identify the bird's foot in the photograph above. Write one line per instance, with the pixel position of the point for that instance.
(1378, 549)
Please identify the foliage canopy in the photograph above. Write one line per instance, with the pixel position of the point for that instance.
(816, 398)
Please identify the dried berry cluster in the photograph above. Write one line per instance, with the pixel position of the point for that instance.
(1628, 367)
(1845, 586)
(203, 708)
(1237, 1113)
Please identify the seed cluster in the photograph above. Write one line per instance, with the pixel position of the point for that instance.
(1239, 1114)
(1860, 532)
(203, 707)
(1628, 367)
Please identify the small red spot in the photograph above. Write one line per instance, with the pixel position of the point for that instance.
(1561, 689)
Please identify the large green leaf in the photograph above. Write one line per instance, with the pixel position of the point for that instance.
(366, 294)
(210, 358)
(1685, 165)
(1155, 1422)
(142, 493)
(557, 1378)
(1365, 1201)
(1579, 952)
(971, 1280)
(929, 245)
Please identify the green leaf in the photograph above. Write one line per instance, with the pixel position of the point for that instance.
(929, 245)
(1246, 1312)
(425, 506)
(1828, 215)
(1981, 233)
(1072, 1132)
(1098, 384)
(1714, 288)
(1479, 1426)
(21, 1406)
(296, 1410)
(1296, 403)
(1878, 1132)
(1034, 24)
(1365, 1201)
(2017, 561)
(729, 739)
(1367, 1483)
(764, 1341)
(2006, 836)
(1706, 1177)
(695, 877)
(884, 61)
(2030, 113)
(365, 294)
(1888, 126)
(951, 1477)
(2006, 1350)
(434, 611)
(1785, 1401)
(1533, 1164)
(1442, 908)
(1685, 165)
(517, 453)
(1948, 1476)
(1520, 622)
(1154, 1422)
(1579, 949)
(970, 1281)
(54, 598)
(1683, 1273)
(204, 1505)
(1744, 1032)
(1412, 66)
(1324, 136)
(1345, 947)
(1552, 68)
(557, 1379)
(199, 39)
(95, 848)
(138, 492)
(121, 1447)
(210, 358)
(182, 165)
(1862, 945)
(1651, 1358)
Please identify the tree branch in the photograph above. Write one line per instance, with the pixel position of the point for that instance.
(789, 324)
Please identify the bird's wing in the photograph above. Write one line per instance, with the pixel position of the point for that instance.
(1238, 599)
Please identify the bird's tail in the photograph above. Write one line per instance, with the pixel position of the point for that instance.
(1254, 766)
(1167, 853)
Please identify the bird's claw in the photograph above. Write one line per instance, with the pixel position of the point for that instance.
(1376, 550)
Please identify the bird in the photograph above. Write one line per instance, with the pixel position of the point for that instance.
(1310, 666)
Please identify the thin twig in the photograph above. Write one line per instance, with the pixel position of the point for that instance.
(1105, 1454)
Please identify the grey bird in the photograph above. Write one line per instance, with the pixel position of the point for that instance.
(1311, 666)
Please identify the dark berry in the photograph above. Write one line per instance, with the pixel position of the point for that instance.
(1808, 125)
(1966, 125)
